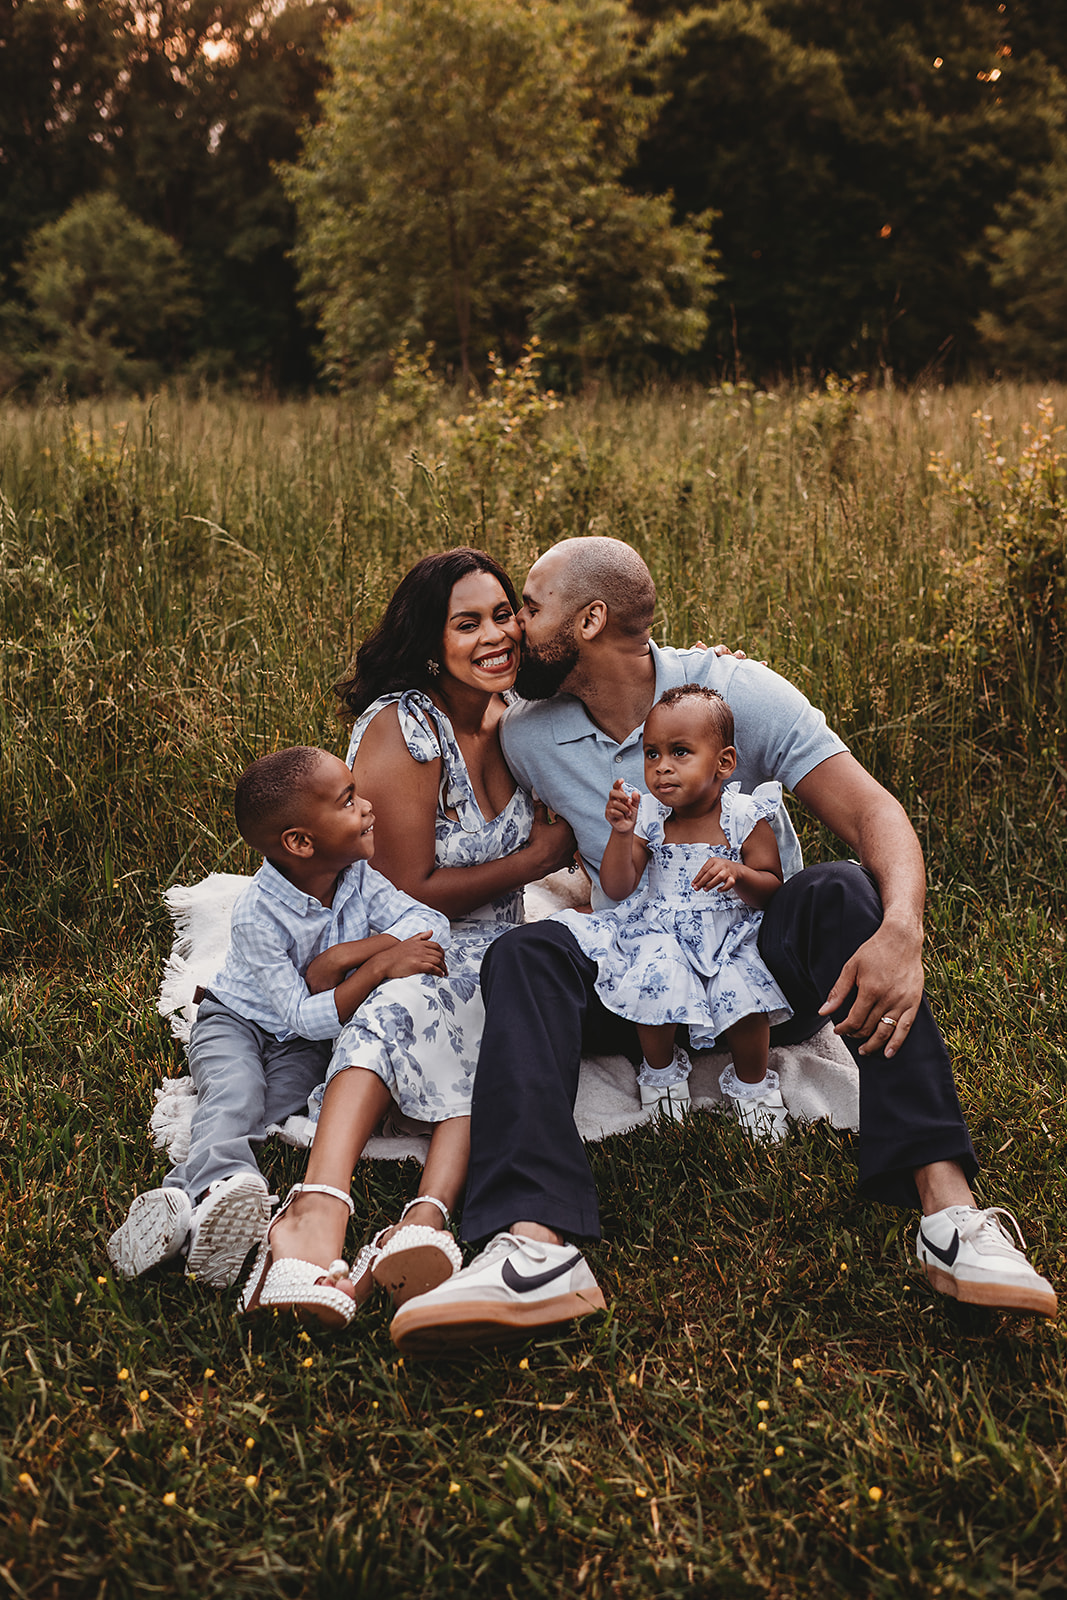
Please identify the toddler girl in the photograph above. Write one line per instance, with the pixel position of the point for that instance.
(683, 948)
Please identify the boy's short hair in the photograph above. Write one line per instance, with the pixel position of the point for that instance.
(269, 793)
(719, 712)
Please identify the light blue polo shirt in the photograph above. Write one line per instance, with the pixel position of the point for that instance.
(556, 750)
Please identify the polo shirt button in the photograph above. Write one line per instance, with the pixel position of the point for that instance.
(617, 760)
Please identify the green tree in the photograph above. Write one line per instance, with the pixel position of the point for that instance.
(108, 298)
(1028, 248)
(855, 154)
(465, 175)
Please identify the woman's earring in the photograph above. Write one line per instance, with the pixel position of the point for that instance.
(433, 668)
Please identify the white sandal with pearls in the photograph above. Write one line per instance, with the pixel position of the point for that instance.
(304, 1286)
(416, 1258)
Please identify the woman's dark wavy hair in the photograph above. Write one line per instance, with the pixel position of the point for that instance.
(395, 655)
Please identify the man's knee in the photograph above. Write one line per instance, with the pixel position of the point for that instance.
(535, 946)
(831, 893)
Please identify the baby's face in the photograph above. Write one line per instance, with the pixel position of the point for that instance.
(339, 820)
(685, 758)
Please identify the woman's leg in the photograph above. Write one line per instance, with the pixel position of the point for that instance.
(313, 1227)
(444, 1174)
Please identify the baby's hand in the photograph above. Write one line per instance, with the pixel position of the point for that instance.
(621, 809)
(716, 874)
(417, 954)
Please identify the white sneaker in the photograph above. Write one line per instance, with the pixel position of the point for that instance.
(156, 1228)
(513, 1288)
(970, 1254)
(229, 1221)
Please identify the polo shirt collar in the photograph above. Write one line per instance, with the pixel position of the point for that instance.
(571, 721)
(277, 885)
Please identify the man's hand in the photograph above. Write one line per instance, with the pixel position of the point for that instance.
(887, 975)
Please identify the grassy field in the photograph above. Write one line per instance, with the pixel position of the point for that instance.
(776, 1404)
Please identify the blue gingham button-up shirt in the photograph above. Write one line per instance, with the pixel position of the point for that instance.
(277, 930)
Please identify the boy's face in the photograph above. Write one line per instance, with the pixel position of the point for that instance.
(686, 762)
(338, 821)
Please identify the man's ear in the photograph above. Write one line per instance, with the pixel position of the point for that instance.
(297, 842)
(727, 760)
(593, 620)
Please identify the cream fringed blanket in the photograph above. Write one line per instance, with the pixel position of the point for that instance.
(818, 1078)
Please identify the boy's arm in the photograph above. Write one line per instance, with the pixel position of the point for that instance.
(420, 954)
(331, 966)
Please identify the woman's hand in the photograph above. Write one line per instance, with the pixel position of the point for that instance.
(621, 809)
(551, 844)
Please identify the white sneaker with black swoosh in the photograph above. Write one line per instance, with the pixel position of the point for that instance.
(970, 1255)
(515, 1287)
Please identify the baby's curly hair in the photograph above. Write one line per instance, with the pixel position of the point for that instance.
(719, 713)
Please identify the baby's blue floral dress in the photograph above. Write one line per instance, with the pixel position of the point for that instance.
(672, 953)
(421, 1034)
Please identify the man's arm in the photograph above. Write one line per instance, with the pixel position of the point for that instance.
(887, 970)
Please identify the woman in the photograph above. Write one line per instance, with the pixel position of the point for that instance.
(453, 830)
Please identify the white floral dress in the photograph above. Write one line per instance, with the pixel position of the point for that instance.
(672, 953)
(421, 1034)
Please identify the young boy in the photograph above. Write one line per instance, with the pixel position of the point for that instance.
(261, 1041)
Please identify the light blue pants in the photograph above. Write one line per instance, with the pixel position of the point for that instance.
(245, 1079)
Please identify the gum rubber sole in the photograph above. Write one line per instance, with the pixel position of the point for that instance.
(480, 1324)
(998, 1296)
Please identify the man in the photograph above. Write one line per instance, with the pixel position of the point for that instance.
(843, 940)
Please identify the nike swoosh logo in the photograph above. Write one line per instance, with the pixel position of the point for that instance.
(521, 1285)
(947, 1256)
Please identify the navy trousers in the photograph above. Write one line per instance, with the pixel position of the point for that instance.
(528, 1162)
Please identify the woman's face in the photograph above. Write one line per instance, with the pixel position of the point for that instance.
(480, 644)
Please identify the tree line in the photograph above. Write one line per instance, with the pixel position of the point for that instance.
(285, 190)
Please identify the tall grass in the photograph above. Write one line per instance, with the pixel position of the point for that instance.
(181, 582)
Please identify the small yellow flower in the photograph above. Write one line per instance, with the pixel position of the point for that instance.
(143, 1395)
(308, 1361)
(843, 1267)
(209, 1372)
(779, 1449)
(250, 1444)
(797, 1363)
(374, 1405)
(124, 1373)
(170, 1499)
(122, 1511)
(632, 1379)
(761, 1427)
(766, 1472)
(25, 1479)
(675, 1260)
(640, 1492)
(453, 1487)
(479, 1412)
(184, 1453)
(875, 1494)
(305, 1338)
(524, 1365)
(798, 1383)
(763, 1405)
(101, 1280)
(251, 1481)
(957, 1456)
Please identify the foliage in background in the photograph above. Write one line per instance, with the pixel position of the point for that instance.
(109, 299)
(856, 155)
(1028, 327)
(777, 1404)
(463, 187)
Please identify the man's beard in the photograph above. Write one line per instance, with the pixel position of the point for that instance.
(541, 674)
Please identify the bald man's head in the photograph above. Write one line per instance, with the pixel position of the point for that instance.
(598, 568)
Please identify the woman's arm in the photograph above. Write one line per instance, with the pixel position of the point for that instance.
(403, 793)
